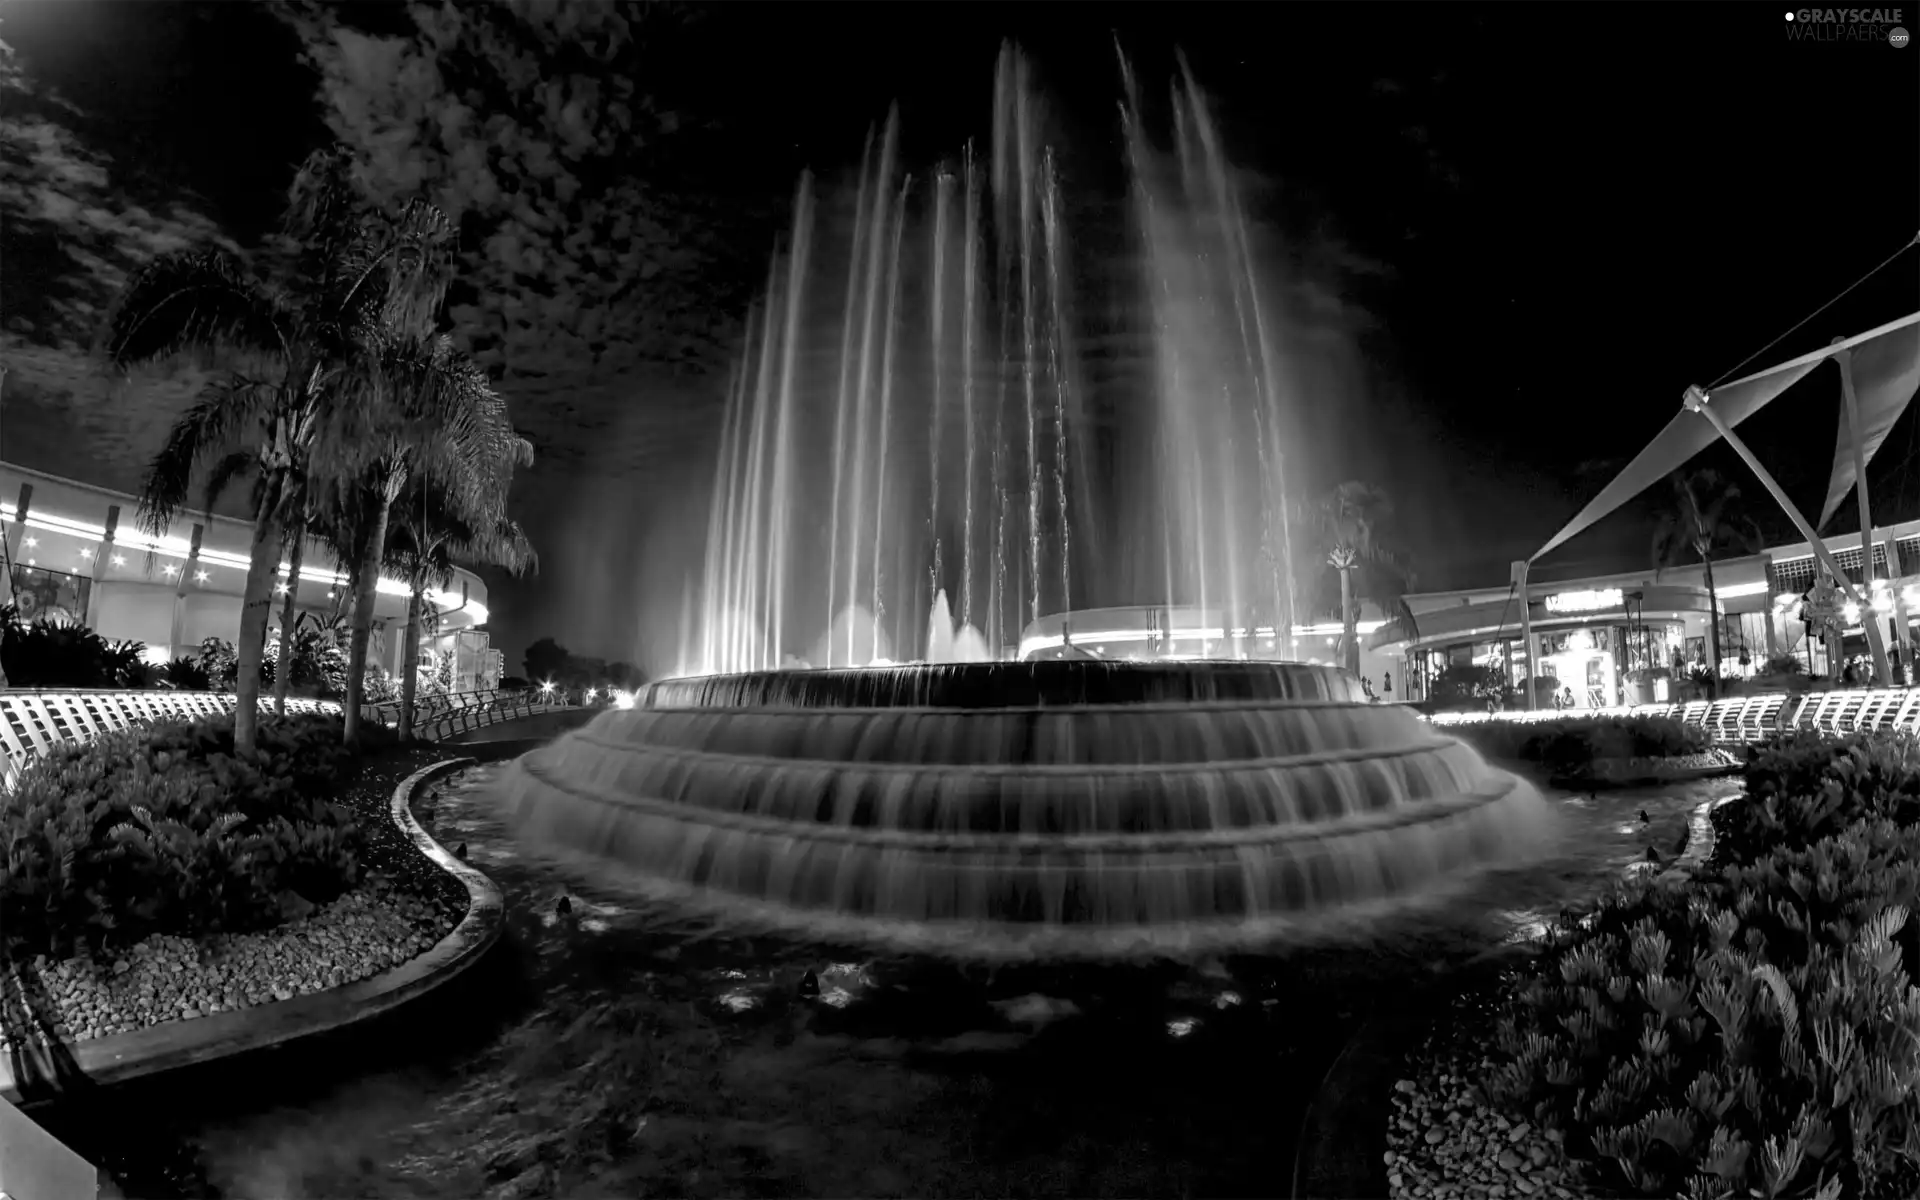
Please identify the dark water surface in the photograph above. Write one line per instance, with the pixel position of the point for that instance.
(615, 1051)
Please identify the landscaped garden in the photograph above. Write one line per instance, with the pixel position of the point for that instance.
(1747, 1027)
(154, 874)
(1600, 751)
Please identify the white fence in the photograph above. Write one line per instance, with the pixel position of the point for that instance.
(33, 722)
(1753, 718)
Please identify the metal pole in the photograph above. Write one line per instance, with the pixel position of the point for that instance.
(1526, 632)
(1696, 400)
(1868, 617)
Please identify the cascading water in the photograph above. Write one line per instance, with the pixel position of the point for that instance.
(1003, 811)
(912, 430)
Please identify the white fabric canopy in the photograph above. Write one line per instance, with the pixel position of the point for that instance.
(1687, 434)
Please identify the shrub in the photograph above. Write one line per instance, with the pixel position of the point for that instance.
(1802, 787)
(1757, 1035)
(319, 661)
(1578, 742)
(61, 654)
(165, 829)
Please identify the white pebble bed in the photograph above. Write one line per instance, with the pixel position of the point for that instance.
(167, 978)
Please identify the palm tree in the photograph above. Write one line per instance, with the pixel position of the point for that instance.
(1707, 522)
(1350, 523)
(439, 423)
(356, 277)
(430, 536)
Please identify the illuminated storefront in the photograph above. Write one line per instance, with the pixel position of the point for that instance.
(1628, 637)
(73, 552)
(1185, 633)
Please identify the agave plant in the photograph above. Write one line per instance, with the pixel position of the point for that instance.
(297, 345)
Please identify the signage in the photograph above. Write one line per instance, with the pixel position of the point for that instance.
(1588, 601)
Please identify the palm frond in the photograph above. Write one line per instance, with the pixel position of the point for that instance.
(208, 427)
(225, 472)
(193, 302)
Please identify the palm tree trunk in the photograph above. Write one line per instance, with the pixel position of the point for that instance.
(410, 672)
(1349, 624)
(283, 666)
(366, 591)
(1713, 629)
(256, 607)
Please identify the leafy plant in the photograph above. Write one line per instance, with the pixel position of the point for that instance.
(1578, 742)
(1751, 1034)
(166, 829)
(1803, 787)
(60, 654)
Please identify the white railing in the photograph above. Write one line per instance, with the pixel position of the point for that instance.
(1752, 718)
(31, 723)
(437, 718)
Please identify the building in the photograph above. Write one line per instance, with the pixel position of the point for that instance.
(1621, 638)
(1172, 634)
(74, 553)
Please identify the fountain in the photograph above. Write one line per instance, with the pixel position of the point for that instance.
(1001, 811)
(926, 387)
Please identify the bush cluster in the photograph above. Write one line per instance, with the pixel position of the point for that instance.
(1753, 1030)
(1576, 742)
(164, 829)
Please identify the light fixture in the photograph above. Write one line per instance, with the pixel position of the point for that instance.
(86, 552)
(281, 588)
(119, 560)
(200, 576)
(329, 593)
(170, 570)
(32, 542)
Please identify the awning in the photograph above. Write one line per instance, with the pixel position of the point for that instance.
(1687, 434)
(1886, 371)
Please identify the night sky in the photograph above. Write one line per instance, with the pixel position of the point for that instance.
(1544, 220)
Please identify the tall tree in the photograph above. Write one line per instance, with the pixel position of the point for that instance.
(440, 423)
(301, 349)
(1355, 562)
(1704, 521)
(432, 535)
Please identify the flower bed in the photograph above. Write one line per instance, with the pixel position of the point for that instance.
(1747, 1028)
(152, 875)
(1601, 751)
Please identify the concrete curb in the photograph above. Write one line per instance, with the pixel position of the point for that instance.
(125, 1056)
(1344, 1134)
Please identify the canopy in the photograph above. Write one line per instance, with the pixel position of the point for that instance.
(1886, 372)
(1687, 434)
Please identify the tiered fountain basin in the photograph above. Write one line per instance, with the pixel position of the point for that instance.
(1007, 811)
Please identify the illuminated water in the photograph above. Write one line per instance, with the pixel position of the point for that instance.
(1038, 810)
(937, 394)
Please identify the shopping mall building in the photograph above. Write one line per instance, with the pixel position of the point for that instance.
(1610, 639)
(75, 553)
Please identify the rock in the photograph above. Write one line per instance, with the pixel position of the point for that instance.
(1518, 1131)
(1508, 1160)
(1525, 1186)
(1436, 1136)
(1537, 1155)
(1406, 1086)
